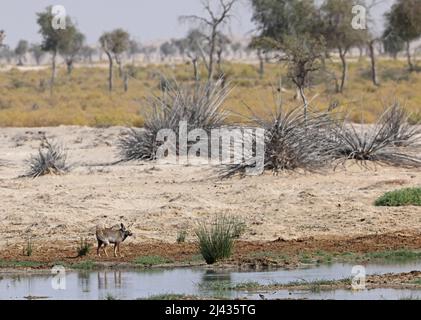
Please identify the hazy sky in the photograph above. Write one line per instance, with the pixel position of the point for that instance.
(146, 20)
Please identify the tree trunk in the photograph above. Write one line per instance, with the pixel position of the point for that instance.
(120, 66)
(53, 71)
(195, 70)
(361, 49)
(344, 77)
(126, 82)
(408, 56)
(69, 64)
(211, 55)
(261, 64)
(373, 63)
(110, 71)
(120, 69)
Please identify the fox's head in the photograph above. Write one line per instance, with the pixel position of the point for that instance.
(126, 233)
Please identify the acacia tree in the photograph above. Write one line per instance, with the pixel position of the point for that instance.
(404, 22)
(222, 43)
(372, 39)
(217, 16)
(148, 51)
(114, 44)
(87, 52)
(236, 48)
(53, 38)
(6, 54)
(290, 28)
(134, 49)
(2, 37)
(194, 43)
(337, 16)
(37, 52)
(167, 49)
(392, 43)
(21, 50)
(71, 48)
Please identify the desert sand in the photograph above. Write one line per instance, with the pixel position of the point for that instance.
(160, 200)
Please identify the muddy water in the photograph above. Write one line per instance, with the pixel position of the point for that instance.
(198, 282)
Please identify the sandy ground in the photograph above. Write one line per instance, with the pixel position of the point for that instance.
(159, 201)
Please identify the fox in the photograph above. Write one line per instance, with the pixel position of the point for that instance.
(107, 236)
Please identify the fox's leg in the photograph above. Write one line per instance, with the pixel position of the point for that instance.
(105, 250)
(99, 247)
(115, 249)
(118, 248)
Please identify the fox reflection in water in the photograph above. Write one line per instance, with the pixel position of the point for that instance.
(106, 280)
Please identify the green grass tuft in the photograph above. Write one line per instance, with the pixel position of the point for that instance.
(85, 265)
(394, 255)
(398, 198)
(152, 260)
(19, 264)
(216, 239)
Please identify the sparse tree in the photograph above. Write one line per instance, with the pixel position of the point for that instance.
(21, 50)
(6, 54)
(403, 22)
(167, 49)
(372, 39)
(392, 43)
(290, 28)
(53, 38)
(114, 44)
(337, 17)
(148, 51)
(181, 45)
(134, 48)
(194, 44)
(2, 37)
(217, 16)
(37, 52)
(87, 52)
(71, 48)
(236, 48)
(222, 43)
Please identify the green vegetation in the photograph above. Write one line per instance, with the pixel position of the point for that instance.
(316, 285)
(394, 255)
(85, 265)
(216, 238)
(404, 197)
(110, 297)
(152, 261)
(19, 264)
(170, 296)
(228, 286)
(322, 257)
(84, 248)
(417, 281)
